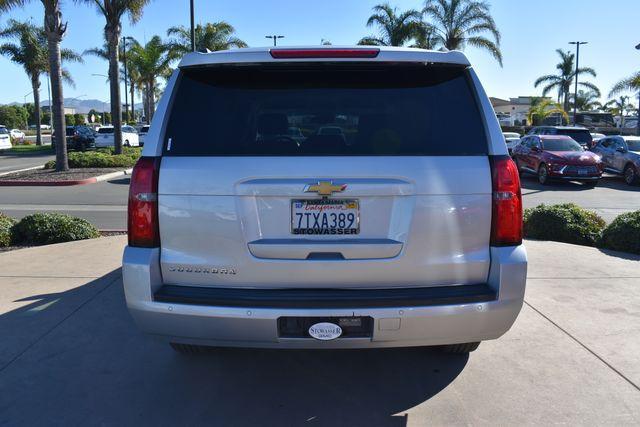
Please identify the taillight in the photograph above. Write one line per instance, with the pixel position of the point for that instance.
(506, 215)
(142, 219)
(324, 53)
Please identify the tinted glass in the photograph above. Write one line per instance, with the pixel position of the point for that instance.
(633, 145)
(340, 110)
(561, 145)
(70, 130)
(3, 131)
(105, 130)
(144, 129)
(580, 135)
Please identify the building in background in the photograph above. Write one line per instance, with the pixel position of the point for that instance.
(67, 110)
(513, 112)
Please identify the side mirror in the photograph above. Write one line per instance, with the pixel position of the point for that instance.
(621, 150)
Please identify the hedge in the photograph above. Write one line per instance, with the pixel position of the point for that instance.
(623, 234)
(566, 222)
(45, 228)
(6, 225)
(100, 159)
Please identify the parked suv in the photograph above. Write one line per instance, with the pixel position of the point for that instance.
(396, 231)
(621, 156)
(579, 134)
(78, 138)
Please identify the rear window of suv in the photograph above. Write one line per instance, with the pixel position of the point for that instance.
(341, 110)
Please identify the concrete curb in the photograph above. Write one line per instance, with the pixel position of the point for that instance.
(92, 180)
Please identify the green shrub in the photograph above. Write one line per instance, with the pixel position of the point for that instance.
(45, 228)
(623, 234)
(6, 225)
(102, 158)
(566, 222)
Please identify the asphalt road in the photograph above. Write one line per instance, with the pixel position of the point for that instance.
(105, 204)
(11, 162)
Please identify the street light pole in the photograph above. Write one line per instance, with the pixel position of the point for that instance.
(575, 96)
(275, 38)
(193, 29)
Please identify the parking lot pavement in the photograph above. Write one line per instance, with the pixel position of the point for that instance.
(12, 162)
(70, 354)
(609, 199)
(103, 204)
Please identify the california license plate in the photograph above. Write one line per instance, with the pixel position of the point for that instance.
(325, 217)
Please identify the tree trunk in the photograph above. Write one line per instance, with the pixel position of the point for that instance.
(152, 101)
(55, 29)
(35, 85)
(133, 103)
(112, 32)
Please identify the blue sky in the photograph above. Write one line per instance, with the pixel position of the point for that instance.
(531, 31)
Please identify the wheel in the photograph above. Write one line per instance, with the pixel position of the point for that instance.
(463, 348)
(126, 143)
(630, 175)
(543, 175)
(187, 348)
(590, 184)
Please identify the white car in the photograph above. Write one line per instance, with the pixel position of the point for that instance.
(17, 134)
(512, 139)
(142, 133)
(597, 137)
(409, 236)
(105, 137)
(5, 139)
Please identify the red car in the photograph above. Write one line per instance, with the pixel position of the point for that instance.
(557, 157)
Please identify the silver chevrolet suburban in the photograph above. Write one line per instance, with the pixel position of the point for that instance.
(393, 218)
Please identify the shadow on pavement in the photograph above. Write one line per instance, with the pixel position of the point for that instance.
(122, 181)
(88, 361)
(530, 185)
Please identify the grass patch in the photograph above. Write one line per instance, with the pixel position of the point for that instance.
(28, 149)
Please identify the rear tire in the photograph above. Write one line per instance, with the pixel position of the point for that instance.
(463, 348)
(188, 348)
(543, 174)
(630, 175)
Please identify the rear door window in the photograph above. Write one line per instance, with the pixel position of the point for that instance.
(342, 110)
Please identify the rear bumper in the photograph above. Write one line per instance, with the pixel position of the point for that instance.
(484, 312)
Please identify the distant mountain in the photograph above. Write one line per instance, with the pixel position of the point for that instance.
(83, 106)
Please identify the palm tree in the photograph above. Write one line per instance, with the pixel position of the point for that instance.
(544, 108)
(113, 11)
(563, 81)
(149, 62)
(630, 84)
(395, 29)
(585, 101)
(31, 53)
(458, 23)
(212, 36)
(55, 29)
(618, 107)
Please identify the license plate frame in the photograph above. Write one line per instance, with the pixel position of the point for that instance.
(347, 205)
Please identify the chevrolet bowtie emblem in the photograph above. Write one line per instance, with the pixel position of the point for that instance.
(325, 188)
